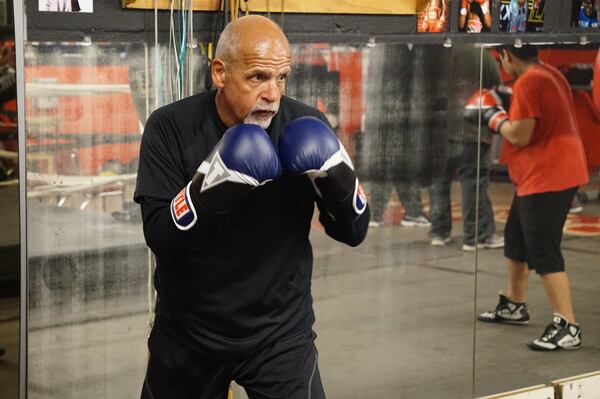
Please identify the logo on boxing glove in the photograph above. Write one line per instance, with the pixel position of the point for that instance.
(182, 209)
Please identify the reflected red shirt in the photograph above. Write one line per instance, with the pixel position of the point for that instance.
(554, 159)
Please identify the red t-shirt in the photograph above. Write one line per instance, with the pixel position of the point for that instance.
(554, 159)
(596, 87)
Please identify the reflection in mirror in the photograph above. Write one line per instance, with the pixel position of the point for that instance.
(87, 261)
(409, 285)
(384, 309)
(556, 158)
(9, 211)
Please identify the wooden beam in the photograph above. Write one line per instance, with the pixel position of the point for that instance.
(198, 5)
(393, 7)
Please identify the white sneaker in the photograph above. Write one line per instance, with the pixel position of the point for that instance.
(560, 334)
(375, 224)
(439, 241)
(507, 311)
(411, 221)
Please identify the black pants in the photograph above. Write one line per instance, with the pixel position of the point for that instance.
(534, 230)
(284, 370)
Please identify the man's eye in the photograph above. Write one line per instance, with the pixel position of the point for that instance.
(283, 77)
(257, 77)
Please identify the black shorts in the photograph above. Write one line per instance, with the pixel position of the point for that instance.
(534, 229)
(285, 369)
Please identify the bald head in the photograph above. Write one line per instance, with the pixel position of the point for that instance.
(249, 33)
(250, 69)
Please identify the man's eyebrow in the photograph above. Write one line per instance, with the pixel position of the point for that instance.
(257, 70)
(267, 71)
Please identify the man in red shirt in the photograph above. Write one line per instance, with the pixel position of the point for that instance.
(546, 163)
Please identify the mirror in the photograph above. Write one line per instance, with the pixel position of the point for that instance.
(88, 265)
(395, 316)
(379, 307)
(503, 361)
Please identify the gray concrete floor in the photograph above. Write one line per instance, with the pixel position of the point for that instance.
(395, 319)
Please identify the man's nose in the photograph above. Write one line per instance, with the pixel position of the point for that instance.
(271, 92)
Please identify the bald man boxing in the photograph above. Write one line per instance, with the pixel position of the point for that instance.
(227, 184)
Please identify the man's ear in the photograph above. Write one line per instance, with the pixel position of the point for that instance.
(218, 73)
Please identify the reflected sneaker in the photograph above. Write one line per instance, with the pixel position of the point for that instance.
(492, 242)
(437, 241)
(507, 311)
(560, 334)
(576, 206)
(411, 221)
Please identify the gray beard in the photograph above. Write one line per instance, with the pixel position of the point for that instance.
(262, 122)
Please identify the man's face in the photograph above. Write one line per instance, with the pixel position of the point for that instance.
(255, 81)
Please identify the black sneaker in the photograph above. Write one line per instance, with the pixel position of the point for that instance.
(560, 334)
(507, 311)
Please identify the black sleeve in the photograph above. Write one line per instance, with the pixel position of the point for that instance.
(161, 175)
(352, 234)
(160, 232)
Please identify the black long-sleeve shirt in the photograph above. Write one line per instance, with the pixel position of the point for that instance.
(238, 280)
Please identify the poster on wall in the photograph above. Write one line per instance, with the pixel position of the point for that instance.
(522, 15)
(66, 5)
(475, 16)
(585, 13)
(433, 15)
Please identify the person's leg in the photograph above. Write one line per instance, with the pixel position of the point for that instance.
(176, 372)
(440, 206)
(518, 280)
(379, 198)
(410, 196)
(467, 172)
(558, 291)
(440, 210)
(512, 308)
(544, 217)
(563, 332)
(288, 369)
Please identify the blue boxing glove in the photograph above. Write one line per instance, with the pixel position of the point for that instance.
(243, 159)
(308, 146)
